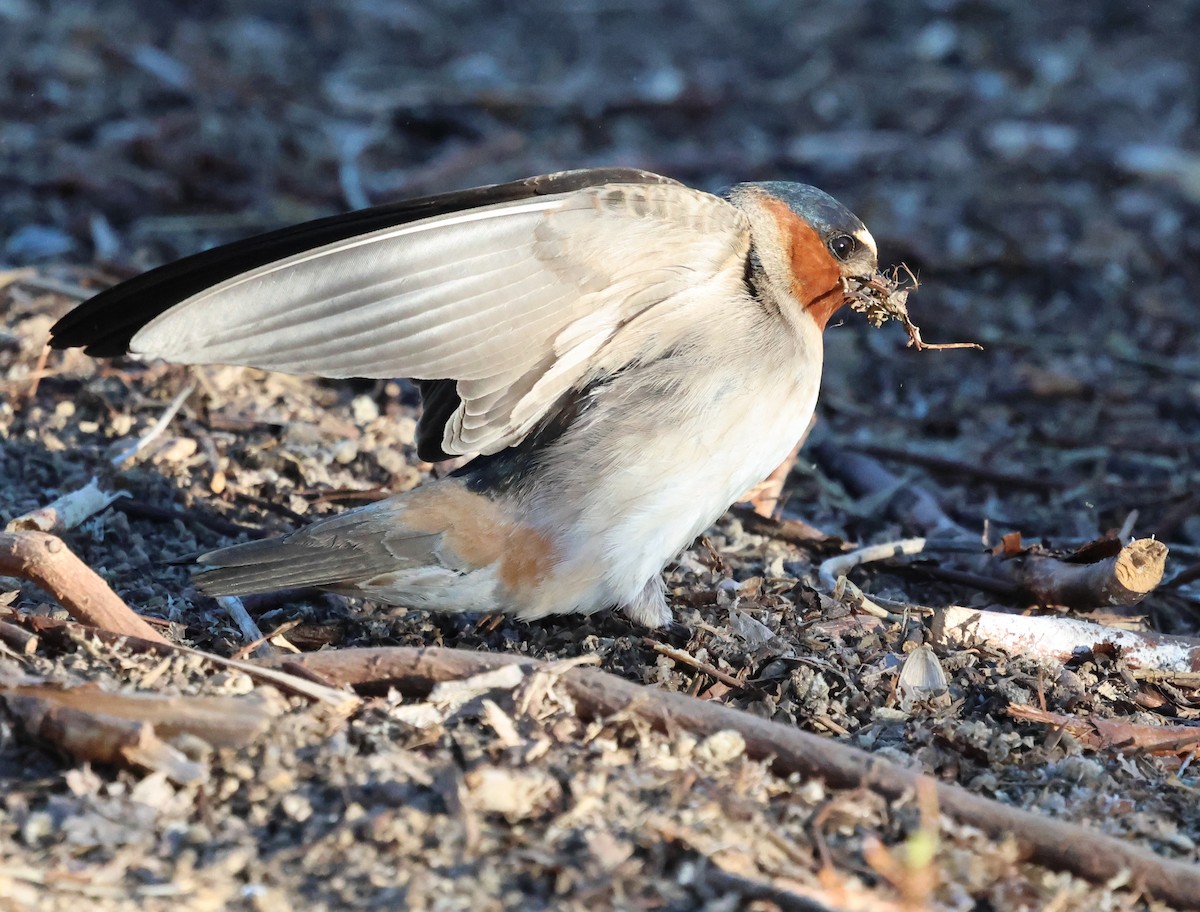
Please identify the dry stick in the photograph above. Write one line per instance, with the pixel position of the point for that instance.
(911, 503)
(1055, 638)
(1123, 579)
(11, 276)
(38, 373)
(102, 738)
(222, 721)
(237, 611)
(1131, 574)
(54, 286)
(792, 531)
(252, 647)
(596, 694)
(955, 467)
(1125, 533)
(1061, 638)
(156, 429)
(831, 570)
(831, 574)
(678, 655)
(18, 639)
(969, 578)
(67, 511)
(303, 684)
(1114, 734)
(47, 561)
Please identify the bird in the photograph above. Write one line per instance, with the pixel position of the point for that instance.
(620, 355)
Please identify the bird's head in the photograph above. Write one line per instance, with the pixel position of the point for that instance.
(805, 245)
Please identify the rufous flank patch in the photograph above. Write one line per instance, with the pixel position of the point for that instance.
(528, 559)
(477, 531)
(471, 525)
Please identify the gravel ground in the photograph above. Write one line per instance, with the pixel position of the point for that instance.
(1035, 165)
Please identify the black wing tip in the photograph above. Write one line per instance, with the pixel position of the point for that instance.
(105, 324)
(98, 343)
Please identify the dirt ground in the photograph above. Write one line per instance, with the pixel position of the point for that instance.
(1035, 165)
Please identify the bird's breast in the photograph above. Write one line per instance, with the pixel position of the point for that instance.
(665, 448)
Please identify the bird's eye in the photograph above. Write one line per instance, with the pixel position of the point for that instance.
(842, 246)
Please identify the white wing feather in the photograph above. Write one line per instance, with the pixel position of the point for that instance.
(514, 301)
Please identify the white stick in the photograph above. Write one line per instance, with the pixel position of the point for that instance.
(156, 429)
(841, 564)
(66, 512)
(237, 612)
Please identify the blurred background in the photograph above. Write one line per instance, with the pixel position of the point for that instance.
(1038, 165)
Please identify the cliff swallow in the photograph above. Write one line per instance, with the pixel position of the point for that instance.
(622, 355)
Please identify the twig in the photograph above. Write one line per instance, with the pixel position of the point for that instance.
(222, 721)
(237, 611)
(839, 565)
(846, 587)
(1062, 638)
(678, 655)
(47, 561)
(54, 286)
(156, 429)
(304, 685)
(102, 738)
(11, 276)
(884, 296)
(1049, 637)
(966, 578)
(1123, 579)
(956, 467)
(38, 373)
(252, 648)
(832, 578)
(1125, 533)
(18, 639)
(66, 512)
(1053, 843)
(911, 503)
(1113, 734)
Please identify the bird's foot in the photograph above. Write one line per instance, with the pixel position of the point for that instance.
(650, 608)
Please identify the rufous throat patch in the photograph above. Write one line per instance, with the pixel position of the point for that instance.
(816, 280)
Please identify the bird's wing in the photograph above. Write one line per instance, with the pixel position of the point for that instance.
(104, 324)
(512, 300)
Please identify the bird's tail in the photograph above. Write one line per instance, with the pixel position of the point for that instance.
(338, 553)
